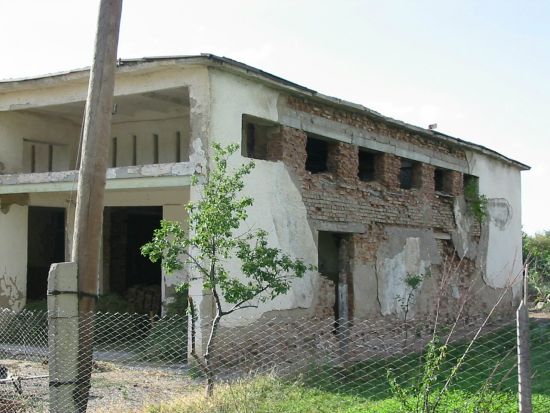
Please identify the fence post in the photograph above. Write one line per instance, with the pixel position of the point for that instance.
(63, 336)
(524, 367)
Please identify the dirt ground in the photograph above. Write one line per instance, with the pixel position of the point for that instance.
(540, 315)
(114, 388)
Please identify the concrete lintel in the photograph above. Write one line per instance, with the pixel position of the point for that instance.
(442, 235)
(344, 227)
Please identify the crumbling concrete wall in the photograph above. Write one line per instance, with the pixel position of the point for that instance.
(409, 231)
(395, 232)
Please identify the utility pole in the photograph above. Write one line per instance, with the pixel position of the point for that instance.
(91, 186)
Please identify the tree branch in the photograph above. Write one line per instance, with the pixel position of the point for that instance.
(239, 304)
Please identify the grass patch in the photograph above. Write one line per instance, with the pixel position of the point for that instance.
(364, 387)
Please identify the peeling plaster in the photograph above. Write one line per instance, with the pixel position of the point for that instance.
(392, 272)
(197, 156)
(465, 247)
(10, 294)
(500, 212)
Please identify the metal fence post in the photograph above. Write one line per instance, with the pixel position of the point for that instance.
(524, 365)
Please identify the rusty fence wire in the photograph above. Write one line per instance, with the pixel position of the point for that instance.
(140, 364)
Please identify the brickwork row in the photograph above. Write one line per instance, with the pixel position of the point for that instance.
(363, 121)
(341, 197)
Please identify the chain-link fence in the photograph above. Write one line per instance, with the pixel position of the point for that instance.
(282, 364)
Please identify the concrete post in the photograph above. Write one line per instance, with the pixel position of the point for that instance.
(343, 327)
(63, 336)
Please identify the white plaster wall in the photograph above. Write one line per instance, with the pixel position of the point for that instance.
(179, 214)
(13, 257)
(278, 207)
(501, 183)
(17, 126)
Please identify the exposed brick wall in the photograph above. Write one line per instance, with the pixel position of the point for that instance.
(339, 196)
(343, 161)
(424, 178)
(453, 182)
(363, 121)
(386, 170)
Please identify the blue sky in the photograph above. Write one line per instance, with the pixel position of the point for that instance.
(479, 69)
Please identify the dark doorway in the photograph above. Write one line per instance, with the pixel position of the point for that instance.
(131, 275)
(45, 246)
(334, 260)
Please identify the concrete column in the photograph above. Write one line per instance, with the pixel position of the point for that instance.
(63, 323)
(170, 281)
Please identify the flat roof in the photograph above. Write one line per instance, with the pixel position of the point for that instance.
(242, 69)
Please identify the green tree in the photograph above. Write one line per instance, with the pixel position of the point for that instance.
(536, 252)
(213, 239)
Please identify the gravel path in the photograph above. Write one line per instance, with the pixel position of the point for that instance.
(115, 388)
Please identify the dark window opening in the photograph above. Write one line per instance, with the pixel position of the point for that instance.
(178, 146)
(471, 186)
(46, 245)
(127, 273)
(317, 155)
(33, 158)
(155, 148)
(114, 153)
(134, 150)
(257, 135)
(406, 174)
(439, 180)
(367, 162)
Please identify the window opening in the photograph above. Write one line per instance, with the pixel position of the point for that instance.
(257, 133)
(439, 180)
(317, 155)
(178, 146)
(134, 150)
(367, 161)
(114, 155)
(155, 148)
(406, 174)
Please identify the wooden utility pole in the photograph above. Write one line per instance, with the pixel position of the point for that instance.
(91, 185)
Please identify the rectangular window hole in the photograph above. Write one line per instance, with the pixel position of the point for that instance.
(134, 150)
(317, 155)
(439, 180)
(367, 161)
(155, 148)
(114, 153)
(407, 178)
(471, 186)
(256, 136)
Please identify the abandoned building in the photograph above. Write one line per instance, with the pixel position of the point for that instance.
(368, 199)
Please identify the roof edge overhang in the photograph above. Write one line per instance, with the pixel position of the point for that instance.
(224, 63)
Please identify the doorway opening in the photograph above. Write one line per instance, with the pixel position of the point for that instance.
(334, 262)
(126, 272)
(45, 246)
